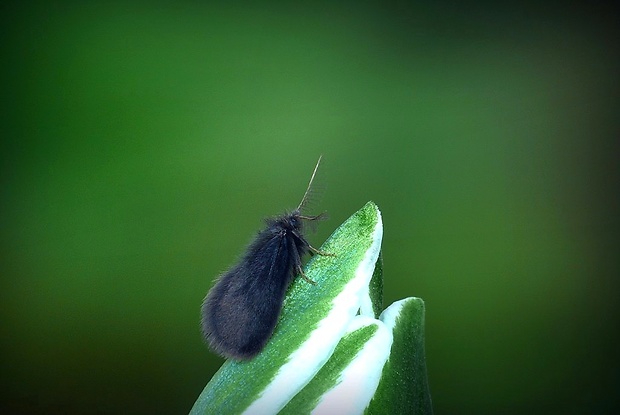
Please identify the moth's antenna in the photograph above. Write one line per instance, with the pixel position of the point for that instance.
(303, 199)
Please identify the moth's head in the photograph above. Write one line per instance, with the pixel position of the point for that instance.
(292, 221)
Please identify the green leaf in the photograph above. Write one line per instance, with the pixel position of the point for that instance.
(382, 360)
(347, 382)
(403, 388)
(375, 288)
(314, 318)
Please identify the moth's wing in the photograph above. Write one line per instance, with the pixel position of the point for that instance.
(242, 309)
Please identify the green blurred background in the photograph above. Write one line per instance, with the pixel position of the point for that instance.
(143, 143)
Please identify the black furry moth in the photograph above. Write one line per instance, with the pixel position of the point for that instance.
(240, 312)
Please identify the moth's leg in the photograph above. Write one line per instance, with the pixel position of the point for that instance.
(297, 261)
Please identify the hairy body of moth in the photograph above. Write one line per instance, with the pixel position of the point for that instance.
(241, 311)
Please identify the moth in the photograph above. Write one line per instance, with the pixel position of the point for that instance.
(240, 312)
